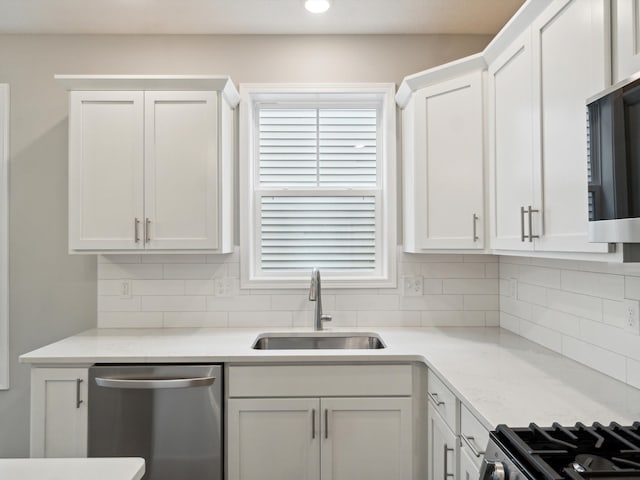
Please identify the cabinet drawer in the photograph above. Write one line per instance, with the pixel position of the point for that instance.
(443, 400)
(473, 435)
(319, 380)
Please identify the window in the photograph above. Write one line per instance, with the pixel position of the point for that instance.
(317, 184)
(4, 237)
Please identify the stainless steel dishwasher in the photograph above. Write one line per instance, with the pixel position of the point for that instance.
(169, 414)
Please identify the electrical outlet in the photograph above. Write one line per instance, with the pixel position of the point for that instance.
(125, 289)
(513, 288)
(632, 316)
(224, 286)
(412, 286)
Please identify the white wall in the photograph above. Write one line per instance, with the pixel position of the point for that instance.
(575, 308)
(53, 294)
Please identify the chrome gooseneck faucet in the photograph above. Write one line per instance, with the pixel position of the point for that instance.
(315, 295)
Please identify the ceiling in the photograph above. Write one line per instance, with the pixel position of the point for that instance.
(254, 16)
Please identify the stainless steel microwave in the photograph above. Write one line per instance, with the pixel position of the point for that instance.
(614, 163)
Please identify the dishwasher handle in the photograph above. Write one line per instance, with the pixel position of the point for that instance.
(154, 383)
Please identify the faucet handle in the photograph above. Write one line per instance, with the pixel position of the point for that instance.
(325, 318)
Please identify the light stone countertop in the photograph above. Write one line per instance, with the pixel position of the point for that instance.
(501, 377)
(72, 468)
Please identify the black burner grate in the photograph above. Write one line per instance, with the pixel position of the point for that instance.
(579, 453)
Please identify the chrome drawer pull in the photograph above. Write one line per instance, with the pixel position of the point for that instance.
(434, 399)
(470, 444)
(446, 473)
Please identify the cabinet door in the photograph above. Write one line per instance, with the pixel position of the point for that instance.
(626, 39)
(273, 439)
(366, 438)
(58, 412)
(468, 468)
(570, 65)
(105, 170)
(181, 170)
(511, 145)
(442, 445)
(447, 158)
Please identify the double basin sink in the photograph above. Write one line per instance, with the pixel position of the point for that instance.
(318, 341)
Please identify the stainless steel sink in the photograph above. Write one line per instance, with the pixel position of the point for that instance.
(318, 341)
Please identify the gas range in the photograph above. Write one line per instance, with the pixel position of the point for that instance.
(580, 452)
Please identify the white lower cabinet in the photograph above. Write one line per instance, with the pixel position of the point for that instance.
(58, 412)
(274, 438)
(320, 422)
(468, 469)
(443, 452)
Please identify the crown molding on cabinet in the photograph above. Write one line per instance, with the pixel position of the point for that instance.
(438, 74)
(222, 83)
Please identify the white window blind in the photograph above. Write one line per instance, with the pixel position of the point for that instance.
(328, 157)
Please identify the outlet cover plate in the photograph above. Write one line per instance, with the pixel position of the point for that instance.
(412, 286)
(632, 316)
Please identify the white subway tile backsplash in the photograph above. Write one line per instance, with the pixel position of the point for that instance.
(259, 319)
(484, 286)
(247, 303)
(195, 271)
(544, 277)
(492, 319)
(129, 319)
(368, 302)
(173, 303)
(157, 287)
(198, 287)
(453, 270)
(595, 284)
(607, 362)
(432, 302)
(555, 320)
(110, 303)
(481, 302)
(376, 318)
(113, 271)
(195, 319)
(118, 258)
(453, 319)
(110, 287)
(575, 303)
(575, 308)
(431, 286)
(632, 287)
(480, 258)
(541, 335)
(633, 373)
(492, 270)
(531, 294)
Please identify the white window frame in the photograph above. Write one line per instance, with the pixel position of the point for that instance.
(4, 237)
(318, 95)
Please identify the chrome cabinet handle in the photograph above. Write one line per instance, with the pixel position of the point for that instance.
(434, 399)
(531, 235)
(326, 423)
(475, 228)
(446, 473)
(154, 383)
(313, 423)
(471, 444)
(79, 400)
(522, 235)
(136, 226)
(147, 230)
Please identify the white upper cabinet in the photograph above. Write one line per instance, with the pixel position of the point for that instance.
(538, 128)
(511, 145)
(106, 164)
(571, 63)
(626, 38)
(443, 147)
(150, 164)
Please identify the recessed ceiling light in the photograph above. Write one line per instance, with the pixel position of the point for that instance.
(317, 6)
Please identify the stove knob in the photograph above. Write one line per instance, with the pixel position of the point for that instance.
(492, 471)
